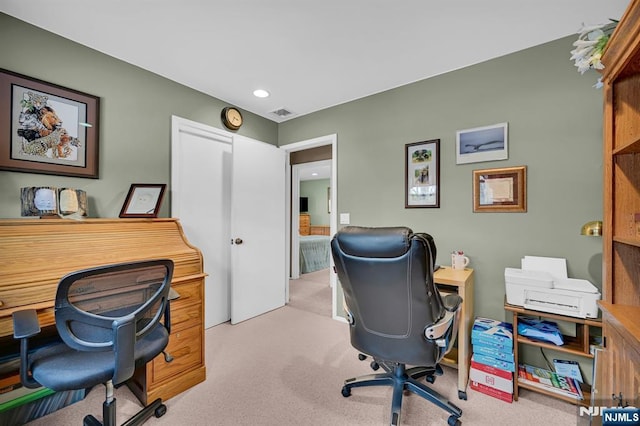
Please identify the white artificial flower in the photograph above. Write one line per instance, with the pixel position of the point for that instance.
(599, 84)
(587, 29)
(584, 43)
(589, 46)
(595, 35)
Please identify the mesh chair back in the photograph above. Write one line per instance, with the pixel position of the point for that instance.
(111, 308)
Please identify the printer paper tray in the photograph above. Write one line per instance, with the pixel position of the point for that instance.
(560, 304)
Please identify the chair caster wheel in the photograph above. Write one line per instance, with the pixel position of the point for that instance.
(462, 395)
(374, 366)
(454, 421)
(430, 379)
(160, 411)
(362, 357)
(346, 392)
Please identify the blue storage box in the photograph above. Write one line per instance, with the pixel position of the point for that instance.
(492, 333)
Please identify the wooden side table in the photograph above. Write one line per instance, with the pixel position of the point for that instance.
(450, 280)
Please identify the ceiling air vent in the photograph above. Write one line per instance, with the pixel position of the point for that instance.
(281, 112)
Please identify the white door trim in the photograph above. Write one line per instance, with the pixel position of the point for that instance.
(332, 140)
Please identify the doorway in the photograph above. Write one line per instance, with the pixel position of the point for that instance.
(310, 216)
(292, 219)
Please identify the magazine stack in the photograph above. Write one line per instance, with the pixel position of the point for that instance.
(492, 364)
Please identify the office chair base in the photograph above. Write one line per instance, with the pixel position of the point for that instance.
(402, 379)
(156, 408)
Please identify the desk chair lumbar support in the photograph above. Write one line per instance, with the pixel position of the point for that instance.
(394, 311)
(111, 319)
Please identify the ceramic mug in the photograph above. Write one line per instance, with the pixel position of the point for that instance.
(459, 261)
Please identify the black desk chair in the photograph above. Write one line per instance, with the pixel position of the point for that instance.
(395, 313)
(109, 320)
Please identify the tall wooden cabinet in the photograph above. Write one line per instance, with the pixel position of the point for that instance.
(620, 306)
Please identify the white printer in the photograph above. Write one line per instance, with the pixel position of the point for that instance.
(542, 285)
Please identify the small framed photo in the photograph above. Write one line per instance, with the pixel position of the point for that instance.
(143, 200)
(486, 143)
(500, 190)
(47, 128)
(422, 174)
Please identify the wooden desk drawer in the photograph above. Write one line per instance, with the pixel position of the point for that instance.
(189, 291)
(183, 317)
(186, 349)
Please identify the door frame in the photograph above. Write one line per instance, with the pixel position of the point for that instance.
(332, 140)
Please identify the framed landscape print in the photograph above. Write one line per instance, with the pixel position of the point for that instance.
(46, 128)
(422, 174)
(486, 143)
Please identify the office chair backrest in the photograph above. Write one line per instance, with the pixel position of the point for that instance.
(387, 278)
(109, 308)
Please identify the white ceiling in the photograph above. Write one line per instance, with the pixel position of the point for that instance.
(309, 54)
(314, 170)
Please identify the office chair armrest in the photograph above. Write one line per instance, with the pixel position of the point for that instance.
(441, 332)
(25, 324)
(124, 348)
(451, 302)
(439, 329)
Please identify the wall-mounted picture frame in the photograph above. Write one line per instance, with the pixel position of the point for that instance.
(500, 190)
(487, 143)
(422, 174)
(47, 129)
(143, 200)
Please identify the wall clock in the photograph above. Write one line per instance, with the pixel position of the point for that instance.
(231, 118)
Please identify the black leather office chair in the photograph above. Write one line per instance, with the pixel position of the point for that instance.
(395, 313)
(109, 320)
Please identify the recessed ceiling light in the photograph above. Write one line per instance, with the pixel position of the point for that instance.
(260, 93)
(314, 174)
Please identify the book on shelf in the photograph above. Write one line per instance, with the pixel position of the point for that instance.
(568, 368)
(550, 381)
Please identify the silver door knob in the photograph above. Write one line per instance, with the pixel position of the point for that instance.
(237, 241)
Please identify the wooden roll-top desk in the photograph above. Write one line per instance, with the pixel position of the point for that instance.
(36, 253)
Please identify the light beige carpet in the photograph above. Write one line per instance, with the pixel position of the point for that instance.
(312, 293)
(287, 367)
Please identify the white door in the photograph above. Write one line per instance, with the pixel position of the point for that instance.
(202, 162)
(258, 256)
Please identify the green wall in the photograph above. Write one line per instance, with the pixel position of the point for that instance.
(135, 116)
(316, 190)
(555, 129)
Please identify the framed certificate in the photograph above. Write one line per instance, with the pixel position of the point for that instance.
(500, 190)
(143, 200)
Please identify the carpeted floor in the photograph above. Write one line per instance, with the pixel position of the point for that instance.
(287, 367)
(312, 293)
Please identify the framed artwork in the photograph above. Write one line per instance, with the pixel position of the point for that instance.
(500, 190)
(422, 174)
(143, 200)
(46, 128)
(486, 143)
